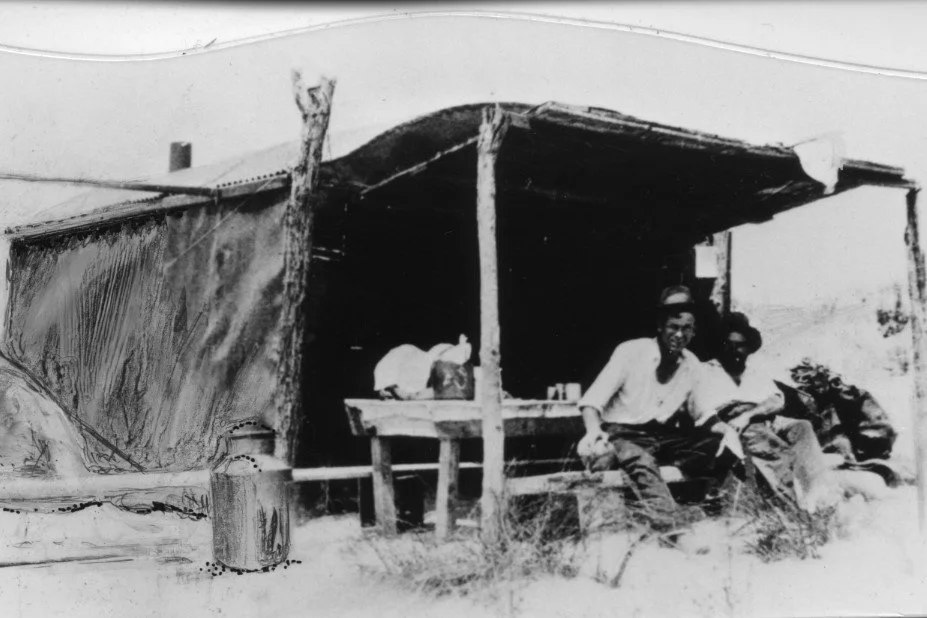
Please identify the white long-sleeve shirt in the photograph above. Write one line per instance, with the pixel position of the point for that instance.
(718, 388)
(627, 390)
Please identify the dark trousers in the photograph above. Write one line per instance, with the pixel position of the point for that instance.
(640, 450)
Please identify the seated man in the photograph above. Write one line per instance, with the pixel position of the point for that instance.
(630, 409)
(784, 450)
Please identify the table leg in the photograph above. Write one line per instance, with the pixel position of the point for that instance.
(448, 473)
(384, 494)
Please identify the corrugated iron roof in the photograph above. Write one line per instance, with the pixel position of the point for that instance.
(415, 144)
(241, 169)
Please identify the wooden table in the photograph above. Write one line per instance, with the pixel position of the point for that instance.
(449, 422)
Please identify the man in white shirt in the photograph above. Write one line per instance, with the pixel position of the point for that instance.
(630, 411)
(785, 450)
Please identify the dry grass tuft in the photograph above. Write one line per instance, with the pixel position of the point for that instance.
(540, 537)
(779, 530)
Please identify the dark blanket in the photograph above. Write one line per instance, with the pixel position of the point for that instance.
(848, 421)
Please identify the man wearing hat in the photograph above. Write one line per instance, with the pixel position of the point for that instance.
(785, 450)
(632, 409)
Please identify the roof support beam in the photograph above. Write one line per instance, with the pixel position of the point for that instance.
(115, 184)
(917, 288)
(315, 108)
(516, 120)
(418, 167)
(492, 132)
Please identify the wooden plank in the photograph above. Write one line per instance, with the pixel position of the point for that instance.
(917, 288)
(446, 500)
(114, 184)
(309, 475)
(418, 167)
(89, 558)
(460, 419)
(384, 494)
(458, 409)
(97, 486)
(565, 482)
(516, 120)
(559, 482)
(492, 131)
(315, 108)
(109, 485)
(721, 290)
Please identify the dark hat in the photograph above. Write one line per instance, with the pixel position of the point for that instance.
(677, 298)
(739, 323)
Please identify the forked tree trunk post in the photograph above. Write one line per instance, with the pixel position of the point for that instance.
(721, 291)
(917, 288)
(492, 131)
(314, 104)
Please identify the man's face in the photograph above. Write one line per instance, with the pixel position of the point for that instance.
(734, 355)
(676, 333)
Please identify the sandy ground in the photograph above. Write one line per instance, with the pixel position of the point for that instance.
(875, 569)
(156, 565)
(872, 571)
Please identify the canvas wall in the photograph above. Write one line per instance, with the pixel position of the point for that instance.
(160, 333)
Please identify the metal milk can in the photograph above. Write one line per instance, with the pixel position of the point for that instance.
(249, 501)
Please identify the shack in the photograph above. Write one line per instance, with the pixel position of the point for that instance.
(152, 316)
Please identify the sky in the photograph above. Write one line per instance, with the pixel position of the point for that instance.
(113, 116)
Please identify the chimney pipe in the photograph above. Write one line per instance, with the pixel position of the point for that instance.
(181, 156)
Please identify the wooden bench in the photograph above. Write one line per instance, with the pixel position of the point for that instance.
(449, 422)
(599, 499)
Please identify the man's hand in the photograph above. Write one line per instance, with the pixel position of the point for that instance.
(730, 440)
(593, 445)
(595, 449)
(741, 422)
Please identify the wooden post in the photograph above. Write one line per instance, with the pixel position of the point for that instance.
(448, 475)
(917, 288)
(721, 291)
(492, 131)
(315, 107)
(384, 494)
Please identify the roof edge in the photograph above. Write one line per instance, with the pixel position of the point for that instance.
(127, 211)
